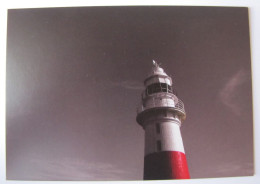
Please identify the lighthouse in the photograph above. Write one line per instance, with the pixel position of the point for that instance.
(161, 115)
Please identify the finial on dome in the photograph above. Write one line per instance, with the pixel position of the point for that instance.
(155, 64)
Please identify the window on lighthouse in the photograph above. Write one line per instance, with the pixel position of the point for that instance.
(164, 87)
(170, 89)
(158, 128)
(159, 145)
(158, 87)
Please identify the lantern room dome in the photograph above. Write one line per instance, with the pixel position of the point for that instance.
(157, 70)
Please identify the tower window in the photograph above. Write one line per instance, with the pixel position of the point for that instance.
(159, 146)
(158, 87)
(169, 89)
(164, 87)
(158, 130)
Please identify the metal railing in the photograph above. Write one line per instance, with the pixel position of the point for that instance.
(166, 101)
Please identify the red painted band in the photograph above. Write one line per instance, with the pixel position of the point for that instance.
(166, 165)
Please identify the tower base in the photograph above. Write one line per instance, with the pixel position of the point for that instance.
(166, 165)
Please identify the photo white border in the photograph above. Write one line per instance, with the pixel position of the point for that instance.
(254, 17)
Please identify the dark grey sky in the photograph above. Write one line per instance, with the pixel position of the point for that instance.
(74, 80)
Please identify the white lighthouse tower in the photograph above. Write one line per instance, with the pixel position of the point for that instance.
(161, 115)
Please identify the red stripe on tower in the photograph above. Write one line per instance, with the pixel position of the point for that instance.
(161, 115)
(166, 165)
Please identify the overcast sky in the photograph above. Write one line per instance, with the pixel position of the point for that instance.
(75, 76)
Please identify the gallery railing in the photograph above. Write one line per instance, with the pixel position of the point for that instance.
(163, 100)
